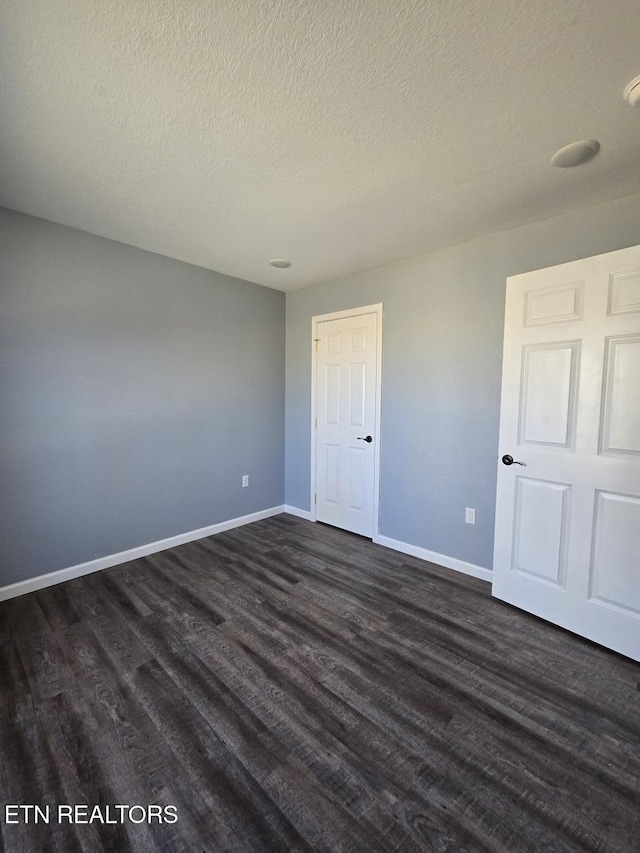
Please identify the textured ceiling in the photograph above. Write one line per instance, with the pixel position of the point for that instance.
(341, 134)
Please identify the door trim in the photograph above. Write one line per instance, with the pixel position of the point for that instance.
(340, 315)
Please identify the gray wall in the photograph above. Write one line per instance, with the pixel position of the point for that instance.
(442, 355)
(136, 390)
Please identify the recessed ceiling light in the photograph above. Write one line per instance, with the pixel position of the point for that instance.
(281, 263)
(575, 153)
(632, 92)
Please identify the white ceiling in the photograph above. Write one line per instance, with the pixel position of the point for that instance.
(341, 134)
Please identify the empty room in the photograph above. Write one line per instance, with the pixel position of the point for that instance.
(320, 438)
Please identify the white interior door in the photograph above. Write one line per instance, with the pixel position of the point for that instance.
(346, 440)
(567, 544)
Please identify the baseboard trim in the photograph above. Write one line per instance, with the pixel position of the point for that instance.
(299, 513)
(62, 575)
(434, 557)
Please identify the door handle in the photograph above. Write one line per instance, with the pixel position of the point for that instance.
(367, 438)
(509, 460)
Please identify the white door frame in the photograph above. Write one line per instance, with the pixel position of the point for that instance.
(340, 315)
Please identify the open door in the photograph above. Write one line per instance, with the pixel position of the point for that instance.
(567, 538)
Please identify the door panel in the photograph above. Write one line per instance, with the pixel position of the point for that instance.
(357, 481)
(358, 339)
(615, 567)
(547, 407)
(624, 293)
(541, 505)
(559, 303)
(332, 469)
(346, 371)
(621, 417)
(334, 342)
(357, 393)
(567, 539)
(332, 393)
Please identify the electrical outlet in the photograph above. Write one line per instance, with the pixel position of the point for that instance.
(469, 515)
(245, 481)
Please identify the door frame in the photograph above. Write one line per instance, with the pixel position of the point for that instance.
(340, 315)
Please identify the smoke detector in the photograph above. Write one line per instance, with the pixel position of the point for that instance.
(632, 92)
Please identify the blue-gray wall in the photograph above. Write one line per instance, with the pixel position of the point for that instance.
(135, 390)
(442, 359)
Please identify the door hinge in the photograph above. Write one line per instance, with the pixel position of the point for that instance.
(317, 341)
(316, 423)
(315, 499)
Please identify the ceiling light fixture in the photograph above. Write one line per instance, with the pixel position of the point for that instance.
(632, 92)
(280, 263)
(575, 153)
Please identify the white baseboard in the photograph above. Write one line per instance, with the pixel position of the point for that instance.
(52, 578)
(300, 513)
(439, 559)
(42, 581)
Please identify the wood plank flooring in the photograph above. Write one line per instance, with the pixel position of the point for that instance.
(292, 687)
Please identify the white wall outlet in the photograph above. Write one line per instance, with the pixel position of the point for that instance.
(469, 515)
(245, 481)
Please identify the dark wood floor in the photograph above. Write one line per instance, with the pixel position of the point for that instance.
(288, 686)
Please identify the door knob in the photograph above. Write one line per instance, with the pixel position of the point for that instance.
(367, 438)
(509, 460)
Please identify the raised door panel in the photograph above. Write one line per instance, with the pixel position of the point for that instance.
(356, 478)
(540, 534)
(358, 340)
(357, 393)
(615, 564)
(620, 424)
(560, 303)
(334, 343)
(332, 473)
(332, 385)
(548, 394)
(624, 293)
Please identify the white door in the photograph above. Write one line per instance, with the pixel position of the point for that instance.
(346, 439)
(567, 544)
